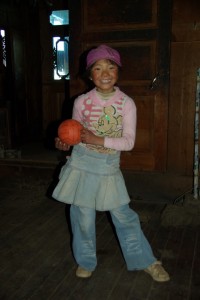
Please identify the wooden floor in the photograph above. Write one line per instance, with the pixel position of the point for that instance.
(36, 261)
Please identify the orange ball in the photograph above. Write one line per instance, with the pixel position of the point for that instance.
(69, 132)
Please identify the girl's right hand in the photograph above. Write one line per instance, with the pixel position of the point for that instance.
(60, 145)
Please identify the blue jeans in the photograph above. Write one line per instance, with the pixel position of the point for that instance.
(135, 247)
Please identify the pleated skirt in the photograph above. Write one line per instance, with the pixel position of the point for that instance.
(91, 179)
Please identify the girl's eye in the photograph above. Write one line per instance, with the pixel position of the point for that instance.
(112, 67)
(96, 69)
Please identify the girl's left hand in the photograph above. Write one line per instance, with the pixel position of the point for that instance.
(88, 137)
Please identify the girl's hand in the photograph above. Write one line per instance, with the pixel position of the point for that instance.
(88, 137)
(60, 145)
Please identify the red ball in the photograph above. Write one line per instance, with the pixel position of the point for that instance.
(69, 132)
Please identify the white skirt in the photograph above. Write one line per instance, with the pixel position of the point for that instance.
(91, 179)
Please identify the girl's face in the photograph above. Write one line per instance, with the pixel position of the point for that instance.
(104, 75)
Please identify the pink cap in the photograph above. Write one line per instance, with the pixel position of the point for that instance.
(103, 52)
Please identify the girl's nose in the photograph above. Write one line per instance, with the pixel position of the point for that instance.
(105, 73)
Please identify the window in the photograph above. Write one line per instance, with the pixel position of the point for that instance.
(60, 45)
(3, 46)
(61, 63)
(59, 17)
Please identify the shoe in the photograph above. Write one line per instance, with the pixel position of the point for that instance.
(157, 272)
(82, 273)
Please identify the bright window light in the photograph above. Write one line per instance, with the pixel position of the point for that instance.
(61, 62)
(59, 17)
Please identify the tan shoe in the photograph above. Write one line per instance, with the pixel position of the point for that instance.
(157, 272)
(82, 273)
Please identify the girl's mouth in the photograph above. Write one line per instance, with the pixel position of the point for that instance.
(105, 81)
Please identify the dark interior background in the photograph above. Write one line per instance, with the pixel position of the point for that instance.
(166, 38)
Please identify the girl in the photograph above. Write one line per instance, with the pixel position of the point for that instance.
(91, 179)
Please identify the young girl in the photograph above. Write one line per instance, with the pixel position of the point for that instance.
(91, 179)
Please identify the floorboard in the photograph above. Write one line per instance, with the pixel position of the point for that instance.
(37, 263)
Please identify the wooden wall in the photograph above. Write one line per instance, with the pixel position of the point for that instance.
(21, 92)
(36, 102)
(54, 92)
(185, 59)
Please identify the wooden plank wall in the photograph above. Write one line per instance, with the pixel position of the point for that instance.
(185, 59)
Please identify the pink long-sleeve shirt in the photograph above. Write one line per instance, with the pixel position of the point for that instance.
(114, 119)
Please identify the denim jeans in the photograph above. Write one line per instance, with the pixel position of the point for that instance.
(135, 247)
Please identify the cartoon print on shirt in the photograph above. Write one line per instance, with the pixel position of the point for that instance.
(109, 124)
